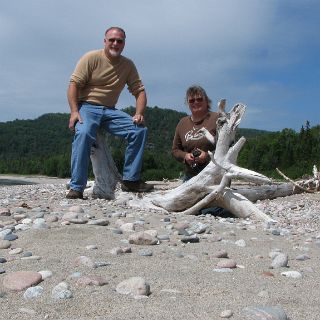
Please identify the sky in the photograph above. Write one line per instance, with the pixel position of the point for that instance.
(262, 53)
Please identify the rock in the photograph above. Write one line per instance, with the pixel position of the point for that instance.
(226, 314)
(85, 261)
(135, 286)
(142, 238)
(221, 254)
(33, 292)
(280, 260)
(61, 291)
(292, 274)
(91, 281)
(99, 222)
(5, 244)
(240, 243)
(45, 274)
(227, 263)
(264, 313)
(145, 252)
(190, 239)
(20, 280)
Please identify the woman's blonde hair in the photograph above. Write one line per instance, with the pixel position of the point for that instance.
(196, 90)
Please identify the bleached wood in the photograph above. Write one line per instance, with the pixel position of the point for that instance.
(104, 169)
(211, 187)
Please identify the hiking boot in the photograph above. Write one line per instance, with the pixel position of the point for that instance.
(136, 186)
(74, 194)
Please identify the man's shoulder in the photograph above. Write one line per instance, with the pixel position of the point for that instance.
(126, 60)
(93, 53)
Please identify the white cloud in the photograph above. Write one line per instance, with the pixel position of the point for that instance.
(251, 51)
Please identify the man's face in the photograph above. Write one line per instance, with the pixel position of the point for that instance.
(114, 42)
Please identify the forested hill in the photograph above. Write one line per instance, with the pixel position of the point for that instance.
(42, 146)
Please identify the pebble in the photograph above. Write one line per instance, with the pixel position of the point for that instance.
(264, 313)
(292, 274)
(279, 261)
(301, 228)
(135, 286)
(142, 238)
(85, 261)
(226, 314)
(227, 263)
(61, 291)
(20, 280)
(33, 292)
(5, 244)
(190, 239)
(145, 252)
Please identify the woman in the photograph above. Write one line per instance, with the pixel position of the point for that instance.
(189, 145)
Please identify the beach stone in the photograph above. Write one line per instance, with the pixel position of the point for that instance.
(19, 217)
(227, 263)
(20, 280)
(226, 314)
(135, 286)
(264, 313)
(77, 209)
(40, 223)
(240, 243)
(292, 274)
(127, 227)
(197, 227)
(190, 239)
(91, 281)
(45, 274)
(116, 251)
(26, 221)
(10, 237)
(145, 252)
(70, 216)
(5, 244)
(99, 222)
(221, 254)
(78, 221)
(280, 260)
(5, 212)
(22, 227)
(142, 238)
(85, 261)
(3, 260)
(302, 257)
(163, 237)
(52, 218)
(4, 233)
(15, 251)
(92, 247)
(61, 291)
(33, 292)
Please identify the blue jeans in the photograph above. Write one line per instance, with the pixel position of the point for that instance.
(115, 122)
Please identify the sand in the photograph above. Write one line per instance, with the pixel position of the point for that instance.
(183, 278)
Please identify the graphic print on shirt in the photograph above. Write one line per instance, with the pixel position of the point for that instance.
(194, 134)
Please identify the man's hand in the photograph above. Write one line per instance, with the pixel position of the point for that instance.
(138, 119)
(74, 118)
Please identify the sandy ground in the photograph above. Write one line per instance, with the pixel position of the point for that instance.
(183, 280)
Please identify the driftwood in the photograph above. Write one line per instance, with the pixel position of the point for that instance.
(211, 187)
(104, 169)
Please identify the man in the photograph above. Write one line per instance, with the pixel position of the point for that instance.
(94, 89)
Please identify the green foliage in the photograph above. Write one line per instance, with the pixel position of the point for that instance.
(43, 146)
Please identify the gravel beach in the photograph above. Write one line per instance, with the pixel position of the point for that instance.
(98, 259)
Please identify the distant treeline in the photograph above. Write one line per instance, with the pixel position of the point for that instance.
(43, 146)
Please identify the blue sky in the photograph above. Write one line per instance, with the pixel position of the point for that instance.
(263, 53)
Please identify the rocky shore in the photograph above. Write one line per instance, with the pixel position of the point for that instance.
(97, 259)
